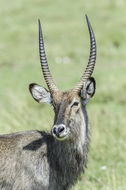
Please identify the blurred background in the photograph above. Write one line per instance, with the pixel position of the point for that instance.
(67, 47)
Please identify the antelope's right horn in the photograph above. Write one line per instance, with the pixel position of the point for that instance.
(45, 68)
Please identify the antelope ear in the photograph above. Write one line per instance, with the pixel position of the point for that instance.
(88, 90)
(40, 94)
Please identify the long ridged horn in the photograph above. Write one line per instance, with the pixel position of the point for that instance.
(92, 59)
(43, 60)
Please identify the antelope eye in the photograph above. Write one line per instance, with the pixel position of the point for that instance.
(75, 104)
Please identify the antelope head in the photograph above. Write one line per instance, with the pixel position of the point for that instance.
(69, 107)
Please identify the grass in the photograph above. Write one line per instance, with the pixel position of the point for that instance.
(67, 46)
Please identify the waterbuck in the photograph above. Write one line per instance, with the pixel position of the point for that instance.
(37, 160)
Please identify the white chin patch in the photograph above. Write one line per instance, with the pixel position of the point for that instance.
(61, 138)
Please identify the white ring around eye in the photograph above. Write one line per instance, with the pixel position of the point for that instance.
(75, 102)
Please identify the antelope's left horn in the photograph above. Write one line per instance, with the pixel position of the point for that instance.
(92, 59)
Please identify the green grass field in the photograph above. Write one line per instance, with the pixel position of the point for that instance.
(67, 47)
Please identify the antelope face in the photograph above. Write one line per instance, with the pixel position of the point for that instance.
(69, 119)
(68, 106)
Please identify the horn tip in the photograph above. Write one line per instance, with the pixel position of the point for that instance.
(40, 28)
(86, 16)
(39, 21)
(87, 19)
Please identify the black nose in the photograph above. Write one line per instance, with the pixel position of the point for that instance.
(61, 128)
(58, 129)
(54, 130)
